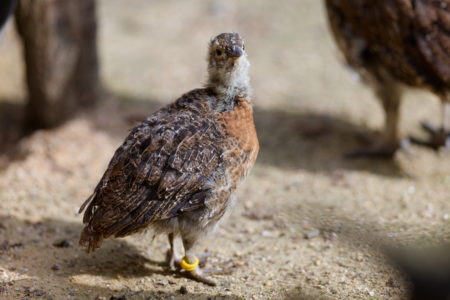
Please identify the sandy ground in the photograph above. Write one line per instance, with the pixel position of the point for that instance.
(307, 112)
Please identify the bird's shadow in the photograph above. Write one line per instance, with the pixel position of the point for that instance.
(38, 245)
(111, 268)
(117, 258)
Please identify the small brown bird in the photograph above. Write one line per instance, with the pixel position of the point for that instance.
(177, 173)
(392, 44)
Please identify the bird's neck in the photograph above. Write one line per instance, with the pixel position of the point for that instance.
(227, 88)
(225, 96)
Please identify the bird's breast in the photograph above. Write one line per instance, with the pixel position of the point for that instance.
(241, 139)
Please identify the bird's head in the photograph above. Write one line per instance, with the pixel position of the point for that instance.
(228, 65)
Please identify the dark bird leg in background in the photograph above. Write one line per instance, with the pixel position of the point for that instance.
(388, 91)
(438, 137)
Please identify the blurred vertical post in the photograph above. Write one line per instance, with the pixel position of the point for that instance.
(59, 39)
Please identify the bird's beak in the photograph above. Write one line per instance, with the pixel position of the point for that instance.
(236, 53)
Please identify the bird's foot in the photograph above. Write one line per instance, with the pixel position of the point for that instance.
(438, 138)
(174, 260)
(203, 257)
(376, 148)
(200, 274)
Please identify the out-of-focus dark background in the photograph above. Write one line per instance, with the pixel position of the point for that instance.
(307, 110)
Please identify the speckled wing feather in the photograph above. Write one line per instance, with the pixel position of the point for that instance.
(160, 171)
(410, 38)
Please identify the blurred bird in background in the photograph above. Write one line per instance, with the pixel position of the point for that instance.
(392, 44)
(177, 172)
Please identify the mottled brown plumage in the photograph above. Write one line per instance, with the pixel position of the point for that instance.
(178, 171)
(393, 43)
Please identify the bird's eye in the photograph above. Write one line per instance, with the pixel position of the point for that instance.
(218, 52)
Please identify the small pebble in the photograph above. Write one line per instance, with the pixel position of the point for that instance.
(63, 244)
(183, 290)
(118, 298)
(56, 267)
(390, 283)
(312, 234)
(162, 282)
(39, 292)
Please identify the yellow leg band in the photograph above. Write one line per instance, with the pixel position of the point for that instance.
(189, 267)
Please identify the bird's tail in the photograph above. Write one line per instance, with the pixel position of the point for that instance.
(90, 240)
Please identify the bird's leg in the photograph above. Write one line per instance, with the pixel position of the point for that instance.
(192, 260)
(174, 255)
(386, 145)
(438, 137)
